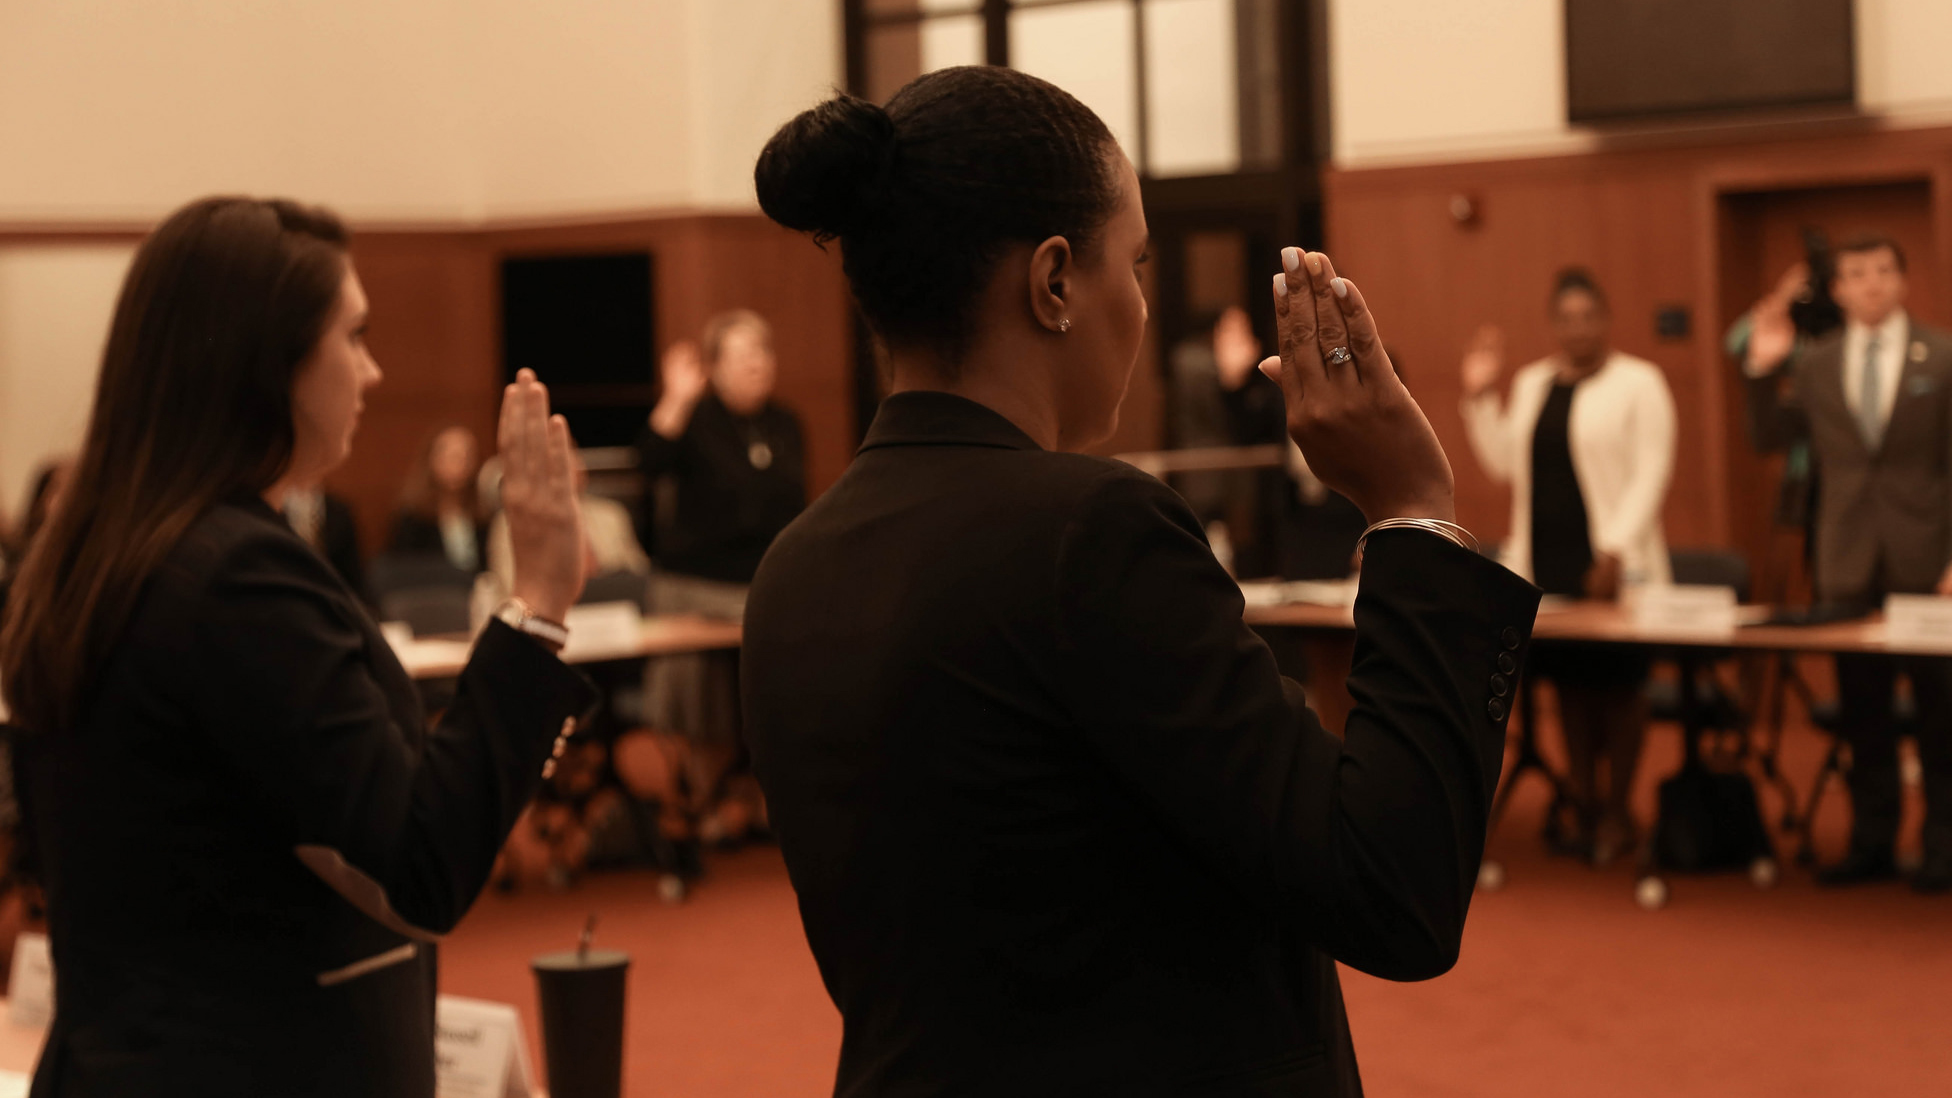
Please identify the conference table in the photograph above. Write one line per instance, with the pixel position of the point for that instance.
(443, 657)
(1323, 612)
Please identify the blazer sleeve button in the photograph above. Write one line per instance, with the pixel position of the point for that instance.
(1500, 686)
(1511, 638)
(1495, 708)
(1506, 665)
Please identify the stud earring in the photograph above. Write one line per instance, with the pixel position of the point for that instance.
(1064, 325)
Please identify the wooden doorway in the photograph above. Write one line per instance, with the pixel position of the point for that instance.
(1761, 234)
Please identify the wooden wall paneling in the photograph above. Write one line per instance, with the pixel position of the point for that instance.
(709, 263)
(1649, 221)
(431, 331)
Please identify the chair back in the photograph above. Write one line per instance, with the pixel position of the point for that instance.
(392, 571)
(1712, 568)
(618, 587)
(427, 610)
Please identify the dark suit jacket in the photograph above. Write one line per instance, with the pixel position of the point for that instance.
(1056, 824)
(252, 715)
(1884, 516)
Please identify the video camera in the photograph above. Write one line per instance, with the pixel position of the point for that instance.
(1813, 312)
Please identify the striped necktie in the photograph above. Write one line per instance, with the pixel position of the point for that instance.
(1870, 406)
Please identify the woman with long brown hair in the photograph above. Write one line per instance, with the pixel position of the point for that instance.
(249, 835)
(440, 506)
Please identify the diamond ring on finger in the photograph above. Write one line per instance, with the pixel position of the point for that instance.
(1338, 356)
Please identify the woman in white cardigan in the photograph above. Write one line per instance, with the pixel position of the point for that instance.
(1586, 441)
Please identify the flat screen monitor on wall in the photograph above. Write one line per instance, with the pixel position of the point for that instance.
(1648, 59)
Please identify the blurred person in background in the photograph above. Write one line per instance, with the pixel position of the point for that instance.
(1199, 415)
(1586, 442)
(440, 506)
(1873, 401)
(1312, 527)
(50, 484)
(607, 529)
(249, 833)
(732, 466)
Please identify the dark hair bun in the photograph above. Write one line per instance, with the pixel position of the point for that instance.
(827, 169)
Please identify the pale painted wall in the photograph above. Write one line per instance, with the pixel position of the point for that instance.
(1430, 81)
(55, 304)
(400, 110)
(437, 111)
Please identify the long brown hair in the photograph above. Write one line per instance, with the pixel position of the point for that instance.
(224, 302)
(419, 495)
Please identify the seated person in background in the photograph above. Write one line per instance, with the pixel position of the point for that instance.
(1314, 529)
(50, 486)
(609, 536)
(325, 522)
(735, 463)
(440, 508)
(1587, 444)
(1199, 417)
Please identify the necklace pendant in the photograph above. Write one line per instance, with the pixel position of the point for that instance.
(760, 455)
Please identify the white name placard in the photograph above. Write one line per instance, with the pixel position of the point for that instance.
(598, 627)
(1683, 608)
(30, 992)
(1918, 619)
(478, 1050)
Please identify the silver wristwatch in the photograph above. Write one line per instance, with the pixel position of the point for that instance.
(521, 616)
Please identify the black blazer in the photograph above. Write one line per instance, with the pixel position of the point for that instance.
(1056, 824)
(250, 724)
(739, 480)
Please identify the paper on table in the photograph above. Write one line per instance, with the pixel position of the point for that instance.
(478, 1050)
(13, 1084)
(31, 986)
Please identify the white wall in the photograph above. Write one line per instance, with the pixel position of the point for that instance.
(426, 111)
(55, 304)
(1428, 80)
(400, 110)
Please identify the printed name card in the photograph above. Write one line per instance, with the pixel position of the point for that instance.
(1918, 619)
(1683, 608)
(478, 1050)
(30, 992)
(604, 627)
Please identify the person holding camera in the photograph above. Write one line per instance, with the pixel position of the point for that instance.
(1874, 403)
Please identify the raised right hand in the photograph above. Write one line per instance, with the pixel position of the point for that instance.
(682, 372)
(545, 524)
(1359, 428)
(1484, 363)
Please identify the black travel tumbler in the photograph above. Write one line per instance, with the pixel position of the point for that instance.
(582, 996)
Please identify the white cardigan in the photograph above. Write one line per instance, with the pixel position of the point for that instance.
(1622, 439)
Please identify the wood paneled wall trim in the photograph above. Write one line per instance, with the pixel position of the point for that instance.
(436, 330)
(1650, 223)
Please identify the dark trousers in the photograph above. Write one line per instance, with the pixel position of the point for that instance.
(1866, 687)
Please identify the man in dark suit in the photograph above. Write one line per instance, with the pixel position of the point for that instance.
(1874, 401)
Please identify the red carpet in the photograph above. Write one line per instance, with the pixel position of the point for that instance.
(1565, 987)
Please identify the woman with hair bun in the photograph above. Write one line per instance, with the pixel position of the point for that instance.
(1056, 824)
